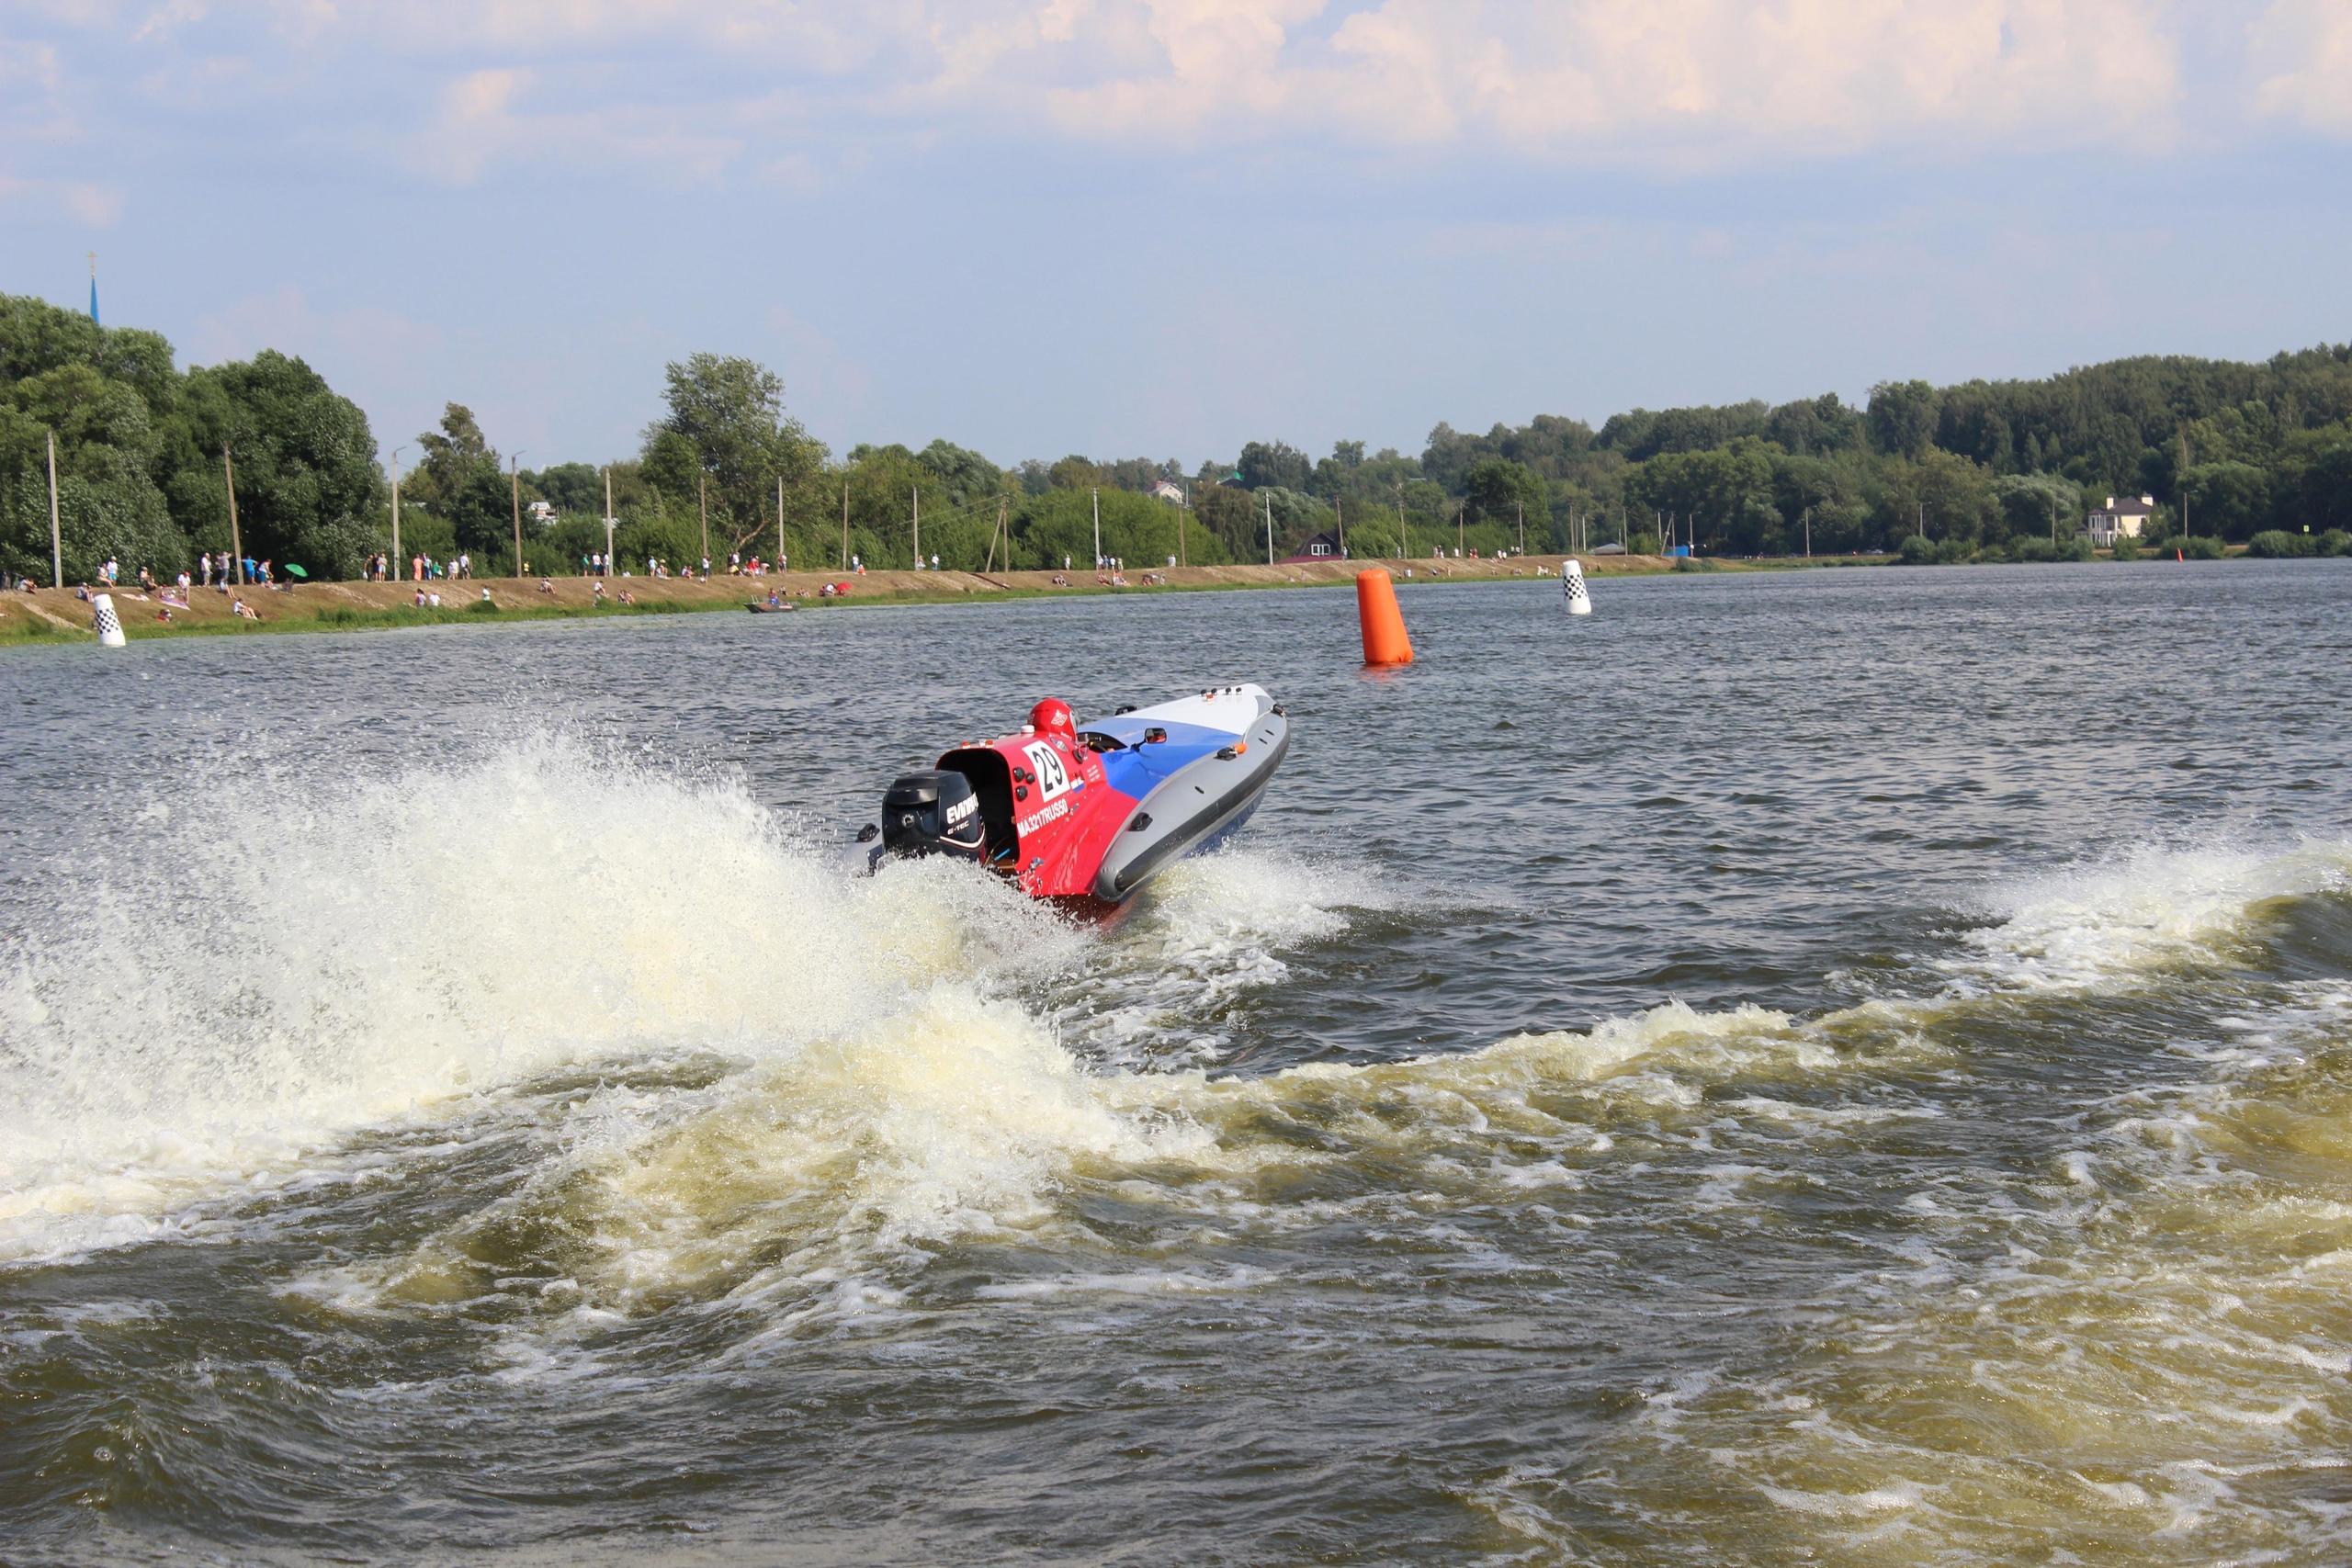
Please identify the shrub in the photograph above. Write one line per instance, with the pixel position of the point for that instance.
(2126, 547)
(483, 607)
(2077, 548)
(2335, 542)
(1916, 551)
(2277, 543)
(2199, 547)
(2033, 548)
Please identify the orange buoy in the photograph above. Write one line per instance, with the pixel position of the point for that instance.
(1385, 641)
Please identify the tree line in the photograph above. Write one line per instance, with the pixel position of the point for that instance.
(146, 454)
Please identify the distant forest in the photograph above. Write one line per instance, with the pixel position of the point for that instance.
(1987, 470)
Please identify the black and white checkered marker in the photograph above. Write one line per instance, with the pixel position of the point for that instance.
(1572, 584)
(109, 626)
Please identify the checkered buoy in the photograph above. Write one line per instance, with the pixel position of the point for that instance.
(109, 624)
(1572, 584)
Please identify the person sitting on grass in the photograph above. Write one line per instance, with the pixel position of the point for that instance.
(243, 611)
(546, 587)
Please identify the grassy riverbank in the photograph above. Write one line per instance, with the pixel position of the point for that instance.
(52, 615)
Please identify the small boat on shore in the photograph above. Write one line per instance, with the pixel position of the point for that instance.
(1091, 813)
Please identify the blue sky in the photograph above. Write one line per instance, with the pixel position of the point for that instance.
(1165, 227)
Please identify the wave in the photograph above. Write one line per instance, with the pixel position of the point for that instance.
(367, 948)
(2147, 911)
(899, 1061)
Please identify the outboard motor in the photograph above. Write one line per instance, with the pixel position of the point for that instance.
(932, 813)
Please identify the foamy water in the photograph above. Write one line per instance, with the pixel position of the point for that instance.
(539, 1145)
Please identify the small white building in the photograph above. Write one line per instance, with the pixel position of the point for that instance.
(542, 512)
(2112, 522)
(1165, 490)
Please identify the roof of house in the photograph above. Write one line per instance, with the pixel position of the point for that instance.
(2140, 508)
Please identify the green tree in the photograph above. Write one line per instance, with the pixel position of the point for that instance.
(2036, 506)
(1903, 417)
(1275, 464)
(461, 480)
(108, 504)
(575, 489)
(1502, 491)
(963, 474)
(727, 428)
(1136, 528)
(1948, 496)
(307, 487)
(2229, 500)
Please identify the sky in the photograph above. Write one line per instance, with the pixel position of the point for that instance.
(1164, 228)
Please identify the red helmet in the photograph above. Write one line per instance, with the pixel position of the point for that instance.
(1051, 717)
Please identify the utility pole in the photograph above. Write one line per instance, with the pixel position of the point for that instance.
(514, 478)
(702, 499)
(1923, 520)
(1270, 528)
(1183, 504)
(236, 541)
(1808, 533)
(1403, 548)
(1098, 530)
(1340, 510)
(1523, 526)
(779, 521)
(992, 534)
(57, 539)
(1461, 526)
(610, 569)
(917, 492)
(844, 525)
(395, 562)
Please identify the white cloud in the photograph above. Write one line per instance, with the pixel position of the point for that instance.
(708, 87)
(98, 206)
(390, 342)
(1719, 77)
(2302, 58)
(485, 117)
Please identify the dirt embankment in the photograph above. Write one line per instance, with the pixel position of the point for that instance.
(326, 606)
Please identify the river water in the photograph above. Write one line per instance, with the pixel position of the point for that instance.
(1832, 1068)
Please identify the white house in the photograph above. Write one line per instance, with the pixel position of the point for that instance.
(1168, 492)
(2112, 522)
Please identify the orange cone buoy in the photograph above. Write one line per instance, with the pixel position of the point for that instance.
(1385, 641)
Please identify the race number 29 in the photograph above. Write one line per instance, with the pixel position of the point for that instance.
(1053, 773)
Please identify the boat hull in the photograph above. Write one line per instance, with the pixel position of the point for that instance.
(1093, 815)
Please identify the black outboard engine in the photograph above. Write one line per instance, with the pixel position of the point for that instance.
(932, 813)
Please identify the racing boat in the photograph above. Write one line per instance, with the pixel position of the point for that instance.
(1092, 812)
